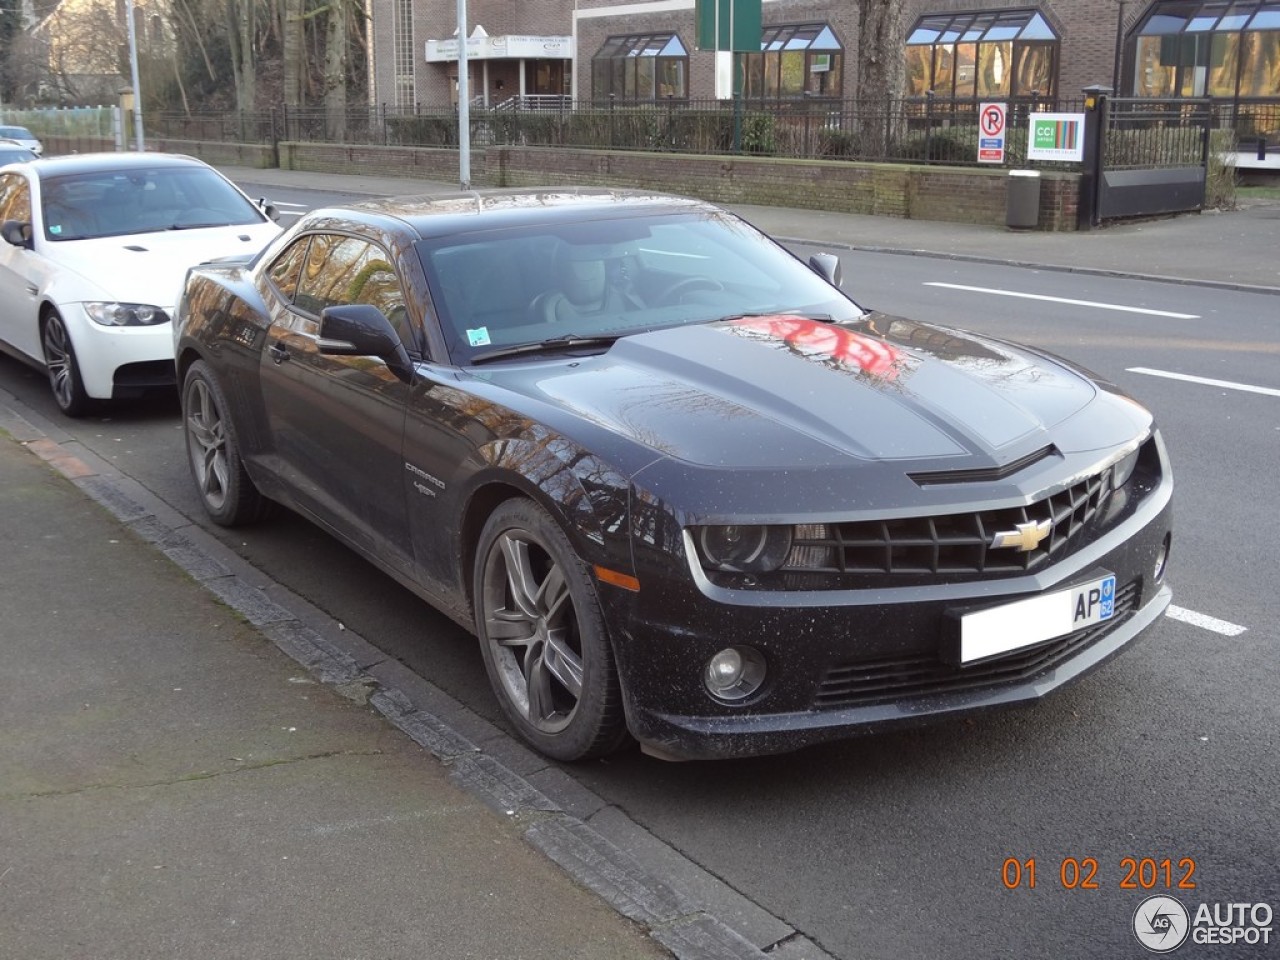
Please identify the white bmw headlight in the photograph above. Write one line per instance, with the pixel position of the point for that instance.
(125, 314)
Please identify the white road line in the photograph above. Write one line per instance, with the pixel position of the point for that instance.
(284, 203)
(1205, 622)
(1076, 303)
(1227, 384)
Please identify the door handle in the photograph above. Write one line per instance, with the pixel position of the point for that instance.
(278, 353)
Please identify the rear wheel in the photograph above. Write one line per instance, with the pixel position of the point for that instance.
(227, 493)
(543, 636)
(64, 371)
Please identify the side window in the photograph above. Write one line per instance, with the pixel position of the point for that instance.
(15, 198)
(284, 273)
(343, 270)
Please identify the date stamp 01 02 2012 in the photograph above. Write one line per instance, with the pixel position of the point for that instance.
(1084, 873)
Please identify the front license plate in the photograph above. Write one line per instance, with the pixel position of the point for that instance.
(989, 633)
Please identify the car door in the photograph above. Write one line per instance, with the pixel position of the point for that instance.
(22, 271)
(336, 424)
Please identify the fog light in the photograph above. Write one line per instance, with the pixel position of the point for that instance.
(734, 673)
(1162, 558)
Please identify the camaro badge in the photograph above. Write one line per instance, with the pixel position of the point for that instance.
(1026, 538)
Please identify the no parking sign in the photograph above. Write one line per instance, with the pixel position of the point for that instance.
(991, 129)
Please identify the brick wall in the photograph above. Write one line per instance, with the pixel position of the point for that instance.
(918, 192)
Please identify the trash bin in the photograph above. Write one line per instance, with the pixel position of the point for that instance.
(1022, 207)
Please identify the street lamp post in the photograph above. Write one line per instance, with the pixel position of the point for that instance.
(133, 70)
(464, 102)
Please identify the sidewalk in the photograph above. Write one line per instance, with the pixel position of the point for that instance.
(172, 787)
(1233, 250)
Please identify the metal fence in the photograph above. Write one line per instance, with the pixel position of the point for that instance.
(928, 130)
(72, 123)
(1152, 133)
(925, 130)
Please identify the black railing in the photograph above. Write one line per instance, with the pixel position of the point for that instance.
(924, 130)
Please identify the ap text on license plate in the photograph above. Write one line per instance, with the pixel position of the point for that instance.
(1023, 623)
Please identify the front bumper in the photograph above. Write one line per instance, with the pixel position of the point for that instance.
(843, 663)
(118, 361)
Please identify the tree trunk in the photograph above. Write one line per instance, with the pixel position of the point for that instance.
(335, 70)
(881, 69)
(291, 52)
(241, 37)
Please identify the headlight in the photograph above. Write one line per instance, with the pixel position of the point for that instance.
(742, 548)
(125, 314)
(1123, 469)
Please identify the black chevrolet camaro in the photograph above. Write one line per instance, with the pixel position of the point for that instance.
(680, 485)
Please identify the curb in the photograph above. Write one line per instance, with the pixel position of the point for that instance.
(479, 755)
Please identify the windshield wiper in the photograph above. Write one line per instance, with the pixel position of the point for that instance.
(195, 226)
(551, 345)
(798, 314)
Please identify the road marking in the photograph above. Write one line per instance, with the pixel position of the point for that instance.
(1205, 622)
(283, 203)
(1067, 300)
(1208, 382)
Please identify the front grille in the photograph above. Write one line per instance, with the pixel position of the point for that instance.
(869, 682)
(951, 544)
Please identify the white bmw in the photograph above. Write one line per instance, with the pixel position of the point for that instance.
(95, 249)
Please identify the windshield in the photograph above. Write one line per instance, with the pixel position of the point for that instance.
(111, 203)
(562, 281)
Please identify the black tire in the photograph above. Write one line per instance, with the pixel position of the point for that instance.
(543, 636)
(213, 452)
(63, 369)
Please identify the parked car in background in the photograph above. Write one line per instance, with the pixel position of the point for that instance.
(11, 151)
(679, 484)
(95, 250)
(23, 136)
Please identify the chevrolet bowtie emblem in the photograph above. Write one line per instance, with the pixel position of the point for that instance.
(1026, 538)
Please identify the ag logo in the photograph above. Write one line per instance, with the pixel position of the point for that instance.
(1161, 924)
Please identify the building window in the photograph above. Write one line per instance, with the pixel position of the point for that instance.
(1198, 48)
(402, 44)
(641, 66)
(978, 56)
(795, 60)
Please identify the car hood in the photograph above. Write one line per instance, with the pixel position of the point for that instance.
(150, 267)
(768, 391)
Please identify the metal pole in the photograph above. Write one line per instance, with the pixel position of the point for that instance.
(1115, 70)
(464, 105)
(133, 70)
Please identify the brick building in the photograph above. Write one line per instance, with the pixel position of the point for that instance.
(602, 50)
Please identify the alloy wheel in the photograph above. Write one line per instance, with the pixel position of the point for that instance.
(207, 443)
(532, 629)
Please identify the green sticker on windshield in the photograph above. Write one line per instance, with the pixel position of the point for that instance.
(478, 337)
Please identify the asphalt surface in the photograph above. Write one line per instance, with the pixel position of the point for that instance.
(198, 763)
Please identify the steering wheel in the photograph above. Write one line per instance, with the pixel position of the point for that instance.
(674, 293)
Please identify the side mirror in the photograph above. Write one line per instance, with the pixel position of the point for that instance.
(827, 266)
(269, 209)
(17, 232)
(361, 330)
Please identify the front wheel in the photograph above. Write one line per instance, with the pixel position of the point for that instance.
(543, 637)
(64, 372)
(226, 492)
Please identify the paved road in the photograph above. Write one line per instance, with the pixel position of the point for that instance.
(893, 847)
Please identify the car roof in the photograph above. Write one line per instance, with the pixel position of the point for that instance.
(444, 213)
(97, 162)
(14, 127)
